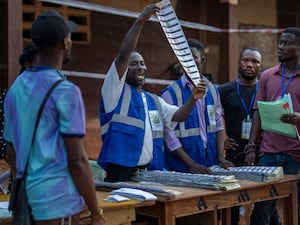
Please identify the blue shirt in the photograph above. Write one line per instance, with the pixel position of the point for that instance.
(50, 187)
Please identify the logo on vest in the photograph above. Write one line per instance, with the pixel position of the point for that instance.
(155, 120)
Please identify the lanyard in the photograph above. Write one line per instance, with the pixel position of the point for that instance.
(248, 110)
(284, 88)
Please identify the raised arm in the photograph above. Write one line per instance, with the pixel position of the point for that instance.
(131, 38)
(184, 111)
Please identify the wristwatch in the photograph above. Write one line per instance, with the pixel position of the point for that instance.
(99, 216)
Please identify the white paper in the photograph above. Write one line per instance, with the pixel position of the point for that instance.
(176, 38)
(116, 198)
(4, 205)
(135, 194)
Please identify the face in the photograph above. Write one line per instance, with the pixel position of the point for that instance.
(288, 47)
(199, 59)
(249, 64)
(68, 47)
(136, 70)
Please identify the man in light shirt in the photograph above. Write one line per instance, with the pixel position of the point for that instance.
(132, 120)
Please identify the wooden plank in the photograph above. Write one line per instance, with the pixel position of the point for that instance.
(119, 216)
(113, 216)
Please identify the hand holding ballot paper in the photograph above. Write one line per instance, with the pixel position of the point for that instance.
(271, 113)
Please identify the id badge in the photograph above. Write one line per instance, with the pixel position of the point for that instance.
(246, 128)
(211, 114)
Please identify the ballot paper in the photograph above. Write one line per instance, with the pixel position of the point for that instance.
(135, 194)
(116, 198)
(4, 205)
(270, 113)
(5, 213)
(177, 40)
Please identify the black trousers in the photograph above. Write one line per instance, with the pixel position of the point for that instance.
(117, 173)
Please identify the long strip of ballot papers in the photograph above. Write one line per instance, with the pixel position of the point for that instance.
(254, 173)
(177, 40)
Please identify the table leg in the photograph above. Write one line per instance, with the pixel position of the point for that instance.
(290, 206)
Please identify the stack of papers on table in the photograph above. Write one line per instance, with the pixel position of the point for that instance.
(102, 185)
(216, 182)
(135, 194)
(255, 173)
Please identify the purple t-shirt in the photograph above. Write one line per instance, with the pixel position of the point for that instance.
(270, 89)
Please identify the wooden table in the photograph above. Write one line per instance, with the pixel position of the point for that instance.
(206, 202)
(122, 213)
(5, 221)
(119, 213)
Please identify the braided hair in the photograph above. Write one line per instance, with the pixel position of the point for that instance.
(28, 56)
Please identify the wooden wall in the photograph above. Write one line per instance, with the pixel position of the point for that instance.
(259, 14)
(108, 30)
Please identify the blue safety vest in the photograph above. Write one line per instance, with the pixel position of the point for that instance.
(123, 130)
(188, 131)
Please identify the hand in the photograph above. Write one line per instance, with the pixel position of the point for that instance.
(98, 218)
(225, 163)
(97, 222)
(250, 159)
(199, 91)
(196, 168)
(230, 143)
(148, 11)
(292, 118)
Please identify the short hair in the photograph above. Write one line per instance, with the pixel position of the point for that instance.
(194, 43)
(292, 30)
(295, 31)
(250, 49)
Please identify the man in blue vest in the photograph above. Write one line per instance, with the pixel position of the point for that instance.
(196, 143)
(132, 120)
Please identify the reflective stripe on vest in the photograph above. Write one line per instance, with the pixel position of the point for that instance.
(177, 91)
(123, 118)
(183, 132)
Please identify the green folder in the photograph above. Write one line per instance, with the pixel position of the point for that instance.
(270, 113)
